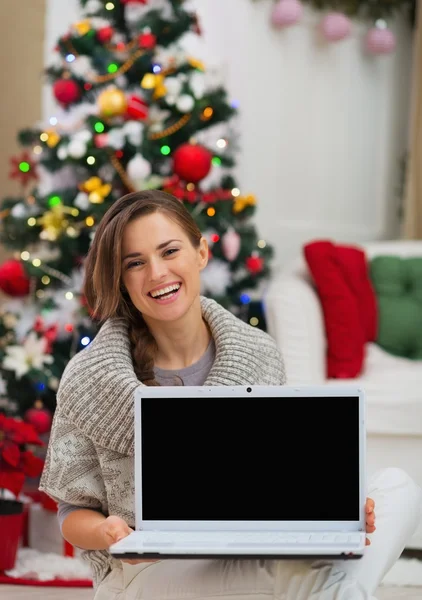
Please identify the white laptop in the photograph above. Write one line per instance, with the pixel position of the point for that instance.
(232, 472)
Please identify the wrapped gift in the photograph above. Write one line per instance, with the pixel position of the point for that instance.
(44, 530)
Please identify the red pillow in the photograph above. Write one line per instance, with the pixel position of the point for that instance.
(348, 302)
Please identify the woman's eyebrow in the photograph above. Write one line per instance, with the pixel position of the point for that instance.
(159, 247)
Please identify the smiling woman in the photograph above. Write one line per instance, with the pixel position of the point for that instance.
(144, 265)
(143, 279)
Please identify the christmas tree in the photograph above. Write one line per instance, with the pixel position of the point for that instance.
(135, 112)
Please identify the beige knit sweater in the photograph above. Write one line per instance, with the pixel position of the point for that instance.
(90, 454)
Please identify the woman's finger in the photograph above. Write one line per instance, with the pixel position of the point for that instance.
(370, 505)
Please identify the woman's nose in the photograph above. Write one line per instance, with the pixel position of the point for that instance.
(157, 270)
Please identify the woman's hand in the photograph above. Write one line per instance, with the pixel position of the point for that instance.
(370, 518)
(113, 529)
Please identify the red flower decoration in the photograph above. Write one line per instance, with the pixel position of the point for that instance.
(50, 333)
(16, 461)
(22, 168)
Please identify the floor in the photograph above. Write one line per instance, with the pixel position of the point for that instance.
(15, 592)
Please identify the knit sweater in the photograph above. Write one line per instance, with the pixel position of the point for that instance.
(89, 459)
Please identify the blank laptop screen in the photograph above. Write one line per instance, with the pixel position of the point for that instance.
(258, 459)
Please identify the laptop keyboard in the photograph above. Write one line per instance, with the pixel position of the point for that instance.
(242, 539)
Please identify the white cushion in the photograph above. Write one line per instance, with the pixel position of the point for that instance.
(393, 387)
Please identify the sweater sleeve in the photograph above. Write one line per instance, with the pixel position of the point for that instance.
(64, 509)
(72, 471)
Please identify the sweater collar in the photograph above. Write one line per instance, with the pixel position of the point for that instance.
(97, 387)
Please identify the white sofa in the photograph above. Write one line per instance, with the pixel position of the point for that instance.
(393, 385)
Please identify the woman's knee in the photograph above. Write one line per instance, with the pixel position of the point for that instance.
(395, 479)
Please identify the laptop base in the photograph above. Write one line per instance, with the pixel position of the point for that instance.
(157, 556)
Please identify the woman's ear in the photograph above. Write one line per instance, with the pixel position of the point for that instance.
(203, 253)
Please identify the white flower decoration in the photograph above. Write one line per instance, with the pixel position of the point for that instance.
(29, 355)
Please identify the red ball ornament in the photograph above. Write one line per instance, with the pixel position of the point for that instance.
(66, 91)
(136, 108)
(192, 162)
(148, 41)
(39, 417)
(13, 278)
(254, 264)
(105, 34)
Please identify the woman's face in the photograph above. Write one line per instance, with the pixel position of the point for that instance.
(160, 267)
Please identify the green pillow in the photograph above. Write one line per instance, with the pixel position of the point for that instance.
(397, 283)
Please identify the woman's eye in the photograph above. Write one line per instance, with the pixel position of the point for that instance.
(171, 251)
(135, 263)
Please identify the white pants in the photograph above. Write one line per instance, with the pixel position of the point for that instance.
(398, 502)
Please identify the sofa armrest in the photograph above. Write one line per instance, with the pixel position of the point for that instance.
(295, 321)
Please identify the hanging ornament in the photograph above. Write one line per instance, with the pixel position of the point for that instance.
(13, 278)
(39, 417)
(22, 168)
(254, 264)
(53, 138)
(192, 162)
(230, 243)
(66, 91)
(112, 103)
(151, 81)
(82, 27)
(185, 103)
(196, 63)
(336, 26)
(147, 40)
(97, 190)
(101, 140)
(241, 202)
(137, 108)
(54, 222)
(286, 13)
(138, 169)
(104, 34)
(77, 149)
(380, 39)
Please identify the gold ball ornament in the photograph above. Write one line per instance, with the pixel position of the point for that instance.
(112, 103)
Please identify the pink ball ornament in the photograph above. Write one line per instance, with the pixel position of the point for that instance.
(230, 244)
(286, 12)
(380, 40)
(335, 27)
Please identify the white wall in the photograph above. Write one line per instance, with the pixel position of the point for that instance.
(322, 127)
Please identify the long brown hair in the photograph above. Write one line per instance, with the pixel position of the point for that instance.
(103, 286)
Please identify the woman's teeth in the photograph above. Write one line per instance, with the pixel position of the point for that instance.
(167, 291)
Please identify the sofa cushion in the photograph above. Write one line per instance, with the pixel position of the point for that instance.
(392, 387)
(398, 285)
(340, 274)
